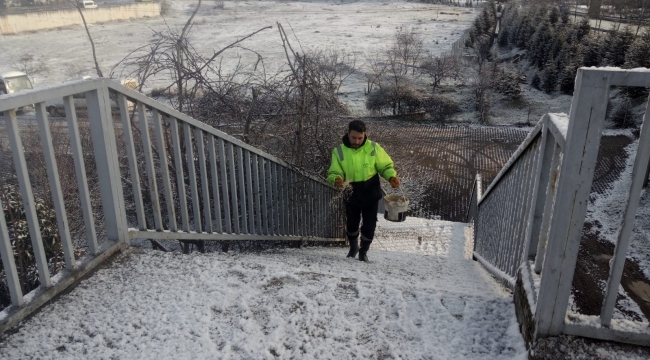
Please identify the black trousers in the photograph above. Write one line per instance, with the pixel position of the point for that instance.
(368, 212)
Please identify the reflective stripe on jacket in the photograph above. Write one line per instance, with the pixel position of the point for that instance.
(358, 165)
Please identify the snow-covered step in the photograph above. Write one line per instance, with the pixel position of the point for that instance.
(418, 299)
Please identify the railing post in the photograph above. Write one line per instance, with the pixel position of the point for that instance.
(542, 174)
(105, 148)
(576, 175)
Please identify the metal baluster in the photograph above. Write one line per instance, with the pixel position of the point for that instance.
(249, 192)
(151, 171)
(9, 264)
(233, 188)
(224, 186)
(55, 184)
(180, 179)
(242, 190)
(258, 196)
(205, 191)
(28, 198)
(275, 199)
(80, 170)
(265, 178)
(130, 152)
(191, 169)
(215, 183)
(164, 169)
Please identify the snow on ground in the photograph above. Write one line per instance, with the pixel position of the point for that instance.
(608, 210)
(420, 300)
(361, 28)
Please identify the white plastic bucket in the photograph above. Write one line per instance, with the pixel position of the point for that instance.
(395, 207)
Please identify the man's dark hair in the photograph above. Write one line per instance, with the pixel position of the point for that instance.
(357, 125)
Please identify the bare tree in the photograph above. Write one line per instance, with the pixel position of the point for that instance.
(408, 48)
(90, 38)
(439, 68)
(31, 64)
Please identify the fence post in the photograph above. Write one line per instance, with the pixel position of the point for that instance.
(107, 162)
(574, 184)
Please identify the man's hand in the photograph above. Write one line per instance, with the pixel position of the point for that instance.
(338, 182)
(394, 182)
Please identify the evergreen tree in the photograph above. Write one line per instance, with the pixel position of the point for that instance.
(550, 77)
(638, 54)
(568, 79)
(554, 15)
(583, 28)
(503, 37)
(565, 16)
(536, 82)
(615, 47)
(591, 51)
(623, 116)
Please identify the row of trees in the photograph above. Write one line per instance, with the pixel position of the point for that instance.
(557, 47)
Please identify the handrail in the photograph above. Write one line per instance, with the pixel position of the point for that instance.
(236, 191)
(514, 157)
(475, 196)
(138, 97)
(508, 212)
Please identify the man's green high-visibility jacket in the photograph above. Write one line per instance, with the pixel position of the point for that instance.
(360, 167)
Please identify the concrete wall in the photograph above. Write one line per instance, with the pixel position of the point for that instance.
(34, 21)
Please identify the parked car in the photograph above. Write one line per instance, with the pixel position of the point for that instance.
(88, 4)
(13, 82)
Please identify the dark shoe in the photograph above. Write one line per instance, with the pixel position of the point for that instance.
(354, 245)
(363, 251)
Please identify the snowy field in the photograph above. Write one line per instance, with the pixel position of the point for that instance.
(360, 28)
(417, 300)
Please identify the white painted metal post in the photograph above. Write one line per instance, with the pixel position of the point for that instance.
(203, 170)
(215, 183)
(632, 202)
(549, 203)
(542, 174)
(80, 170)
(180, 178)
(191, 170)
(151, 170)
(55, 185)
(29, 204)
(275, 199)
(133, 167)
(242, 190)
(576, 176)
(264, 178)
(249, 193)
(258, 197)
(164, 169)
(108, 163)
(9, 264)
(233, 189)
(224, 186)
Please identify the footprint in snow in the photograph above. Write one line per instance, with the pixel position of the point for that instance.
(455, 306)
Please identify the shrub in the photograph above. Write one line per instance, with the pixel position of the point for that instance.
(440, 107)
(16, 218)
(622, 116)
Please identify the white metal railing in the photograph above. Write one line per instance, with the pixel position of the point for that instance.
(502, 213)
(529, 222)
(236, 192)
